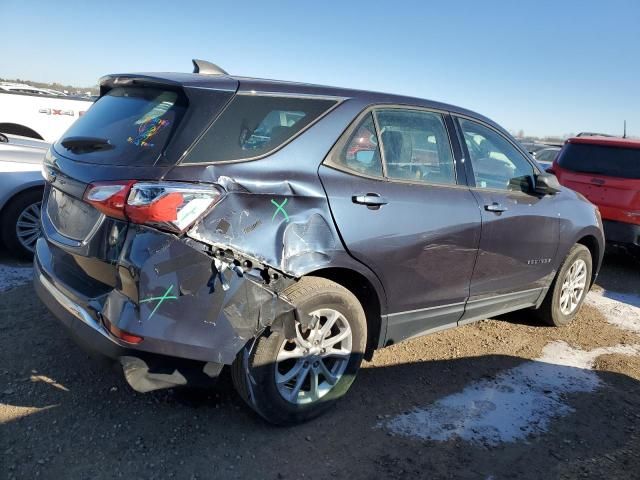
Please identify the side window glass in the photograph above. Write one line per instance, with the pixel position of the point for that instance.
(254, 125)
(416, 146)
(496, 163)
(361, 152)
(272, 126)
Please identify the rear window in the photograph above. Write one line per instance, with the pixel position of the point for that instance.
(254, 125)
(127, 126)
(601, 160)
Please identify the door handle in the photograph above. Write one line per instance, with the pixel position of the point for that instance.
(371, 200)
(495, 207)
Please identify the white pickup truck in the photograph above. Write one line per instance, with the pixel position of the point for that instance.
(37, 112)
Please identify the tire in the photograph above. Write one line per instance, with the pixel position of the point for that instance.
(256, 366)
(28, 204)
(553, 311)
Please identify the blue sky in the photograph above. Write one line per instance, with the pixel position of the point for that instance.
(546, 67)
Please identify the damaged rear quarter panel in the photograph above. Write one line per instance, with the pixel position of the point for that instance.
(275, 208)
(292, 233)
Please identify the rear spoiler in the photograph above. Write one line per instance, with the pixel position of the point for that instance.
(128, 80)
(205, 75)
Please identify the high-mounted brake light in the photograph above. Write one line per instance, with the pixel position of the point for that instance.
(173, 206)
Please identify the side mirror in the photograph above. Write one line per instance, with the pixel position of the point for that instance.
(547, 184)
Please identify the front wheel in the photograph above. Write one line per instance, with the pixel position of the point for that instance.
(569, 288)
(292, 381)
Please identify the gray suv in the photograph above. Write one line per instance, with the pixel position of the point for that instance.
(197, 221)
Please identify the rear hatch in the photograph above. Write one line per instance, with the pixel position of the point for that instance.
(137, 130)
(607, 172)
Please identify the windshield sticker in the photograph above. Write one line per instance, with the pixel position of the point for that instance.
(147, 130)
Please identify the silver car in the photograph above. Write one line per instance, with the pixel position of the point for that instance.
(546, 156)
(21, 186)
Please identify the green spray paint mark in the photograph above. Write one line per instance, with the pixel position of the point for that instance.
(160, 300)
(280, 208)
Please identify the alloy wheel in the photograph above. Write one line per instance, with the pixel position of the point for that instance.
(309, 366)
(573, 287)
(28, 227)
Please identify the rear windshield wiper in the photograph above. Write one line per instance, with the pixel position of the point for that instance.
(86, 144)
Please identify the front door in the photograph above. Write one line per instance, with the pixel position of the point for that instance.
(520, 229)
(393, 191)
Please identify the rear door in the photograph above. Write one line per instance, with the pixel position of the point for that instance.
(520, 229)
(401, 205)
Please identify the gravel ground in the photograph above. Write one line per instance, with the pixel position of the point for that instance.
(565, 401)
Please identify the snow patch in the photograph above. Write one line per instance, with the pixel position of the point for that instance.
(619, 309)
(11, 277)
(517, 403)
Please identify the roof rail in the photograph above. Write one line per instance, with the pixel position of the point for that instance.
(207, 68)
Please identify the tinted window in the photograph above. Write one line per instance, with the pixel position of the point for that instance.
(253, 125)
(137, 123)
(496, 163)
(416, 146)
(361, 153)
(601, 160)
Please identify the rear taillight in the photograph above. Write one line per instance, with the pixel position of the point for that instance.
(170, 206)
(109, 197)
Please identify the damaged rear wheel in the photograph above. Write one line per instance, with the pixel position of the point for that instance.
(293, 380)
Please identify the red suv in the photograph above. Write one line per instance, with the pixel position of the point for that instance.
(606, 170)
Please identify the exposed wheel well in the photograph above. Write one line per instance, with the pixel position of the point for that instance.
(591, 243)
(15, 129)
(364, 291)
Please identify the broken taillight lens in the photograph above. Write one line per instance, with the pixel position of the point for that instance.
(170, 206)
(109, 197)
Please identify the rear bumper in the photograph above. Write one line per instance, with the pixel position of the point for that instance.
(621, 233)
(144, 371)
(84, 327)
(168, 292)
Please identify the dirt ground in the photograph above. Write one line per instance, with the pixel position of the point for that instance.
(64, 414)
